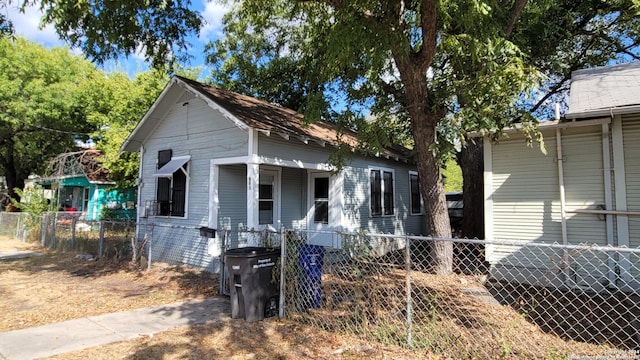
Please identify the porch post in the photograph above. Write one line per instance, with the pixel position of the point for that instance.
(253, 173)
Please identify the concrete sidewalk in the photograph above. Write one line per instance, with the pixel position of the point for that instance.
(8, 254)
(59, 338)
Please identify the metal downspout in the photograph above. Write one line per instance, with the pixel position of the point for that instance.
(563, 202)
(563, 205)
(608, 199)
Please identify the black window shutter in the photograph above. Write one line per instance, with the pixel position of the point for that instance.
(163, 194)
(178, 193)
(415, 194)
(388, 193)
(376, 193)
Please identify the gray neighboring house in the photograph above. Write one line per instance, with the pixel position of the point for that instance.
(590, 196)
(215, 158)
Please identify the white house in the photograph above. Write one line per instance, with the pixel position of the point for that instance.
(585, 190)
(215, 158)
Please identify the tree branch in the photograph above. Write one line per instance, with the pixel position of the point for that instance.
(429, 26)
(516, 11)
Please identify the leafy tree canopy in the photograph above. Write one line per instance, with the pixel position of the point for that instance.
(437, 69)
(41, 111)
(105, 29)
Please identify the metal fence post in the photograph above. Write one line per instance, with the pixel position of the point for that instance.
(223, 242)
(43, 228)
(407, 257)
(18, 227)
(53, 232)
(73, 232)
(283, 263)
(101, 239)
(149, 242)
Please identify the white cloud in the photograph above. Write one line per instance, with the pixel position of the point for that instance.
(27, 25)
(212, 14)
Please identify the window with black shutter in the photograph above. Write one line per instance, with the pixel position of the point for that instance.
(381, 191)
(414, 185)
(163, 192)
(173, 176)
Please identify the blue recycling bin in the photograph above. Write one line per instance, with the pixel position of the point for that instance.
(311, 259)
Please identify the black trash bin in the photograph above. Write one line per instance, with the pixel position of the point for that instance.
(311, 259)
(254, 290)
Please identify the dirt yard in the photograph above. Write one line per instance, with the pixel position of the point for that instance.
(58, 286)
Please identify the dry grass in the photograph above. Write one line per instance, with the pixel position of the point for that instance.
(57, 287)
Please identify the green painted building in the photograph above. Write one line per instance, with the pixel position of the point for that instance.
(80, 184)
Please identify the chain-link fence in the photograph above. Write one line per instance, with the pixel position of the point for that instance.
(529, 300)
(537, 301)
(14, 225)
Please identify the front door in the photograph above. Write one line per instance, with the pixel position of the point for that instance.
(322, 212)
(268, 199)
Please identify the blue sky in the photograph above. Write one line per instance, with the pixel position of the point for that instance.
(27, 25)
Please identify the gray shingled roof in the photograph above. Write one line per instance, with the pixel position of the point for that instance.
(604, 91)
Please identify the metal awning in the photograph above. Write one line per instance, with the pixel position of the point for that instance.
(172, 166)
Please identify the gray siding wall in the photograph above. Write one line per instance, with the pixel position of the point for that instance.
(294, 149)
(196, 130)
(355, 214)
(232, 197)
(204, 134)
(294, 198)
(356, 207)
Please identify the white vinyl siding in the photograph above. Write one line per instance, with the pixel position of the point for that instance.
(584, 184)
(525, 198)
(631, 129)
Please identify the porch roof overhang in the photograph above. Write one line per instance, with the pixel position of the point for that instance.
(167, 170)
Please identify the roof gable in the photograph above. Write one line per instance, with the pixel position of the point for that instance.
(604, 90)
(247, 112)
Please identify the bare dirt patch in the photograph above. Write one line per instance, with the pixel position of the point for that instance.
(58, 286)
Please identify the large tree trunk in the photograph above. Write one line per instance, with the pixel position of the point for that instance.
(432, 191)
(472, 164)
(424, 118)
(424, 114)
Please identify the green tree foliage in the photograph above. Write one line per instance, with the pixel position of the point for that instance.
(398, 60)
(435, 68)
(453, 176)
(117, 103)
(558, 37)
(105, 29)
(41, 112)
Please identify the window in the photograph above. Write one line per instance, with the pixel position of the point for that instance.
(321, 200)
(415, 199)
(381, 191)
(265, 196)
(173, 176)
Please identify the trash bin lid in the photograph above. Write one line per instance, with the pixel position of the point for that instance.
(250, 251)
